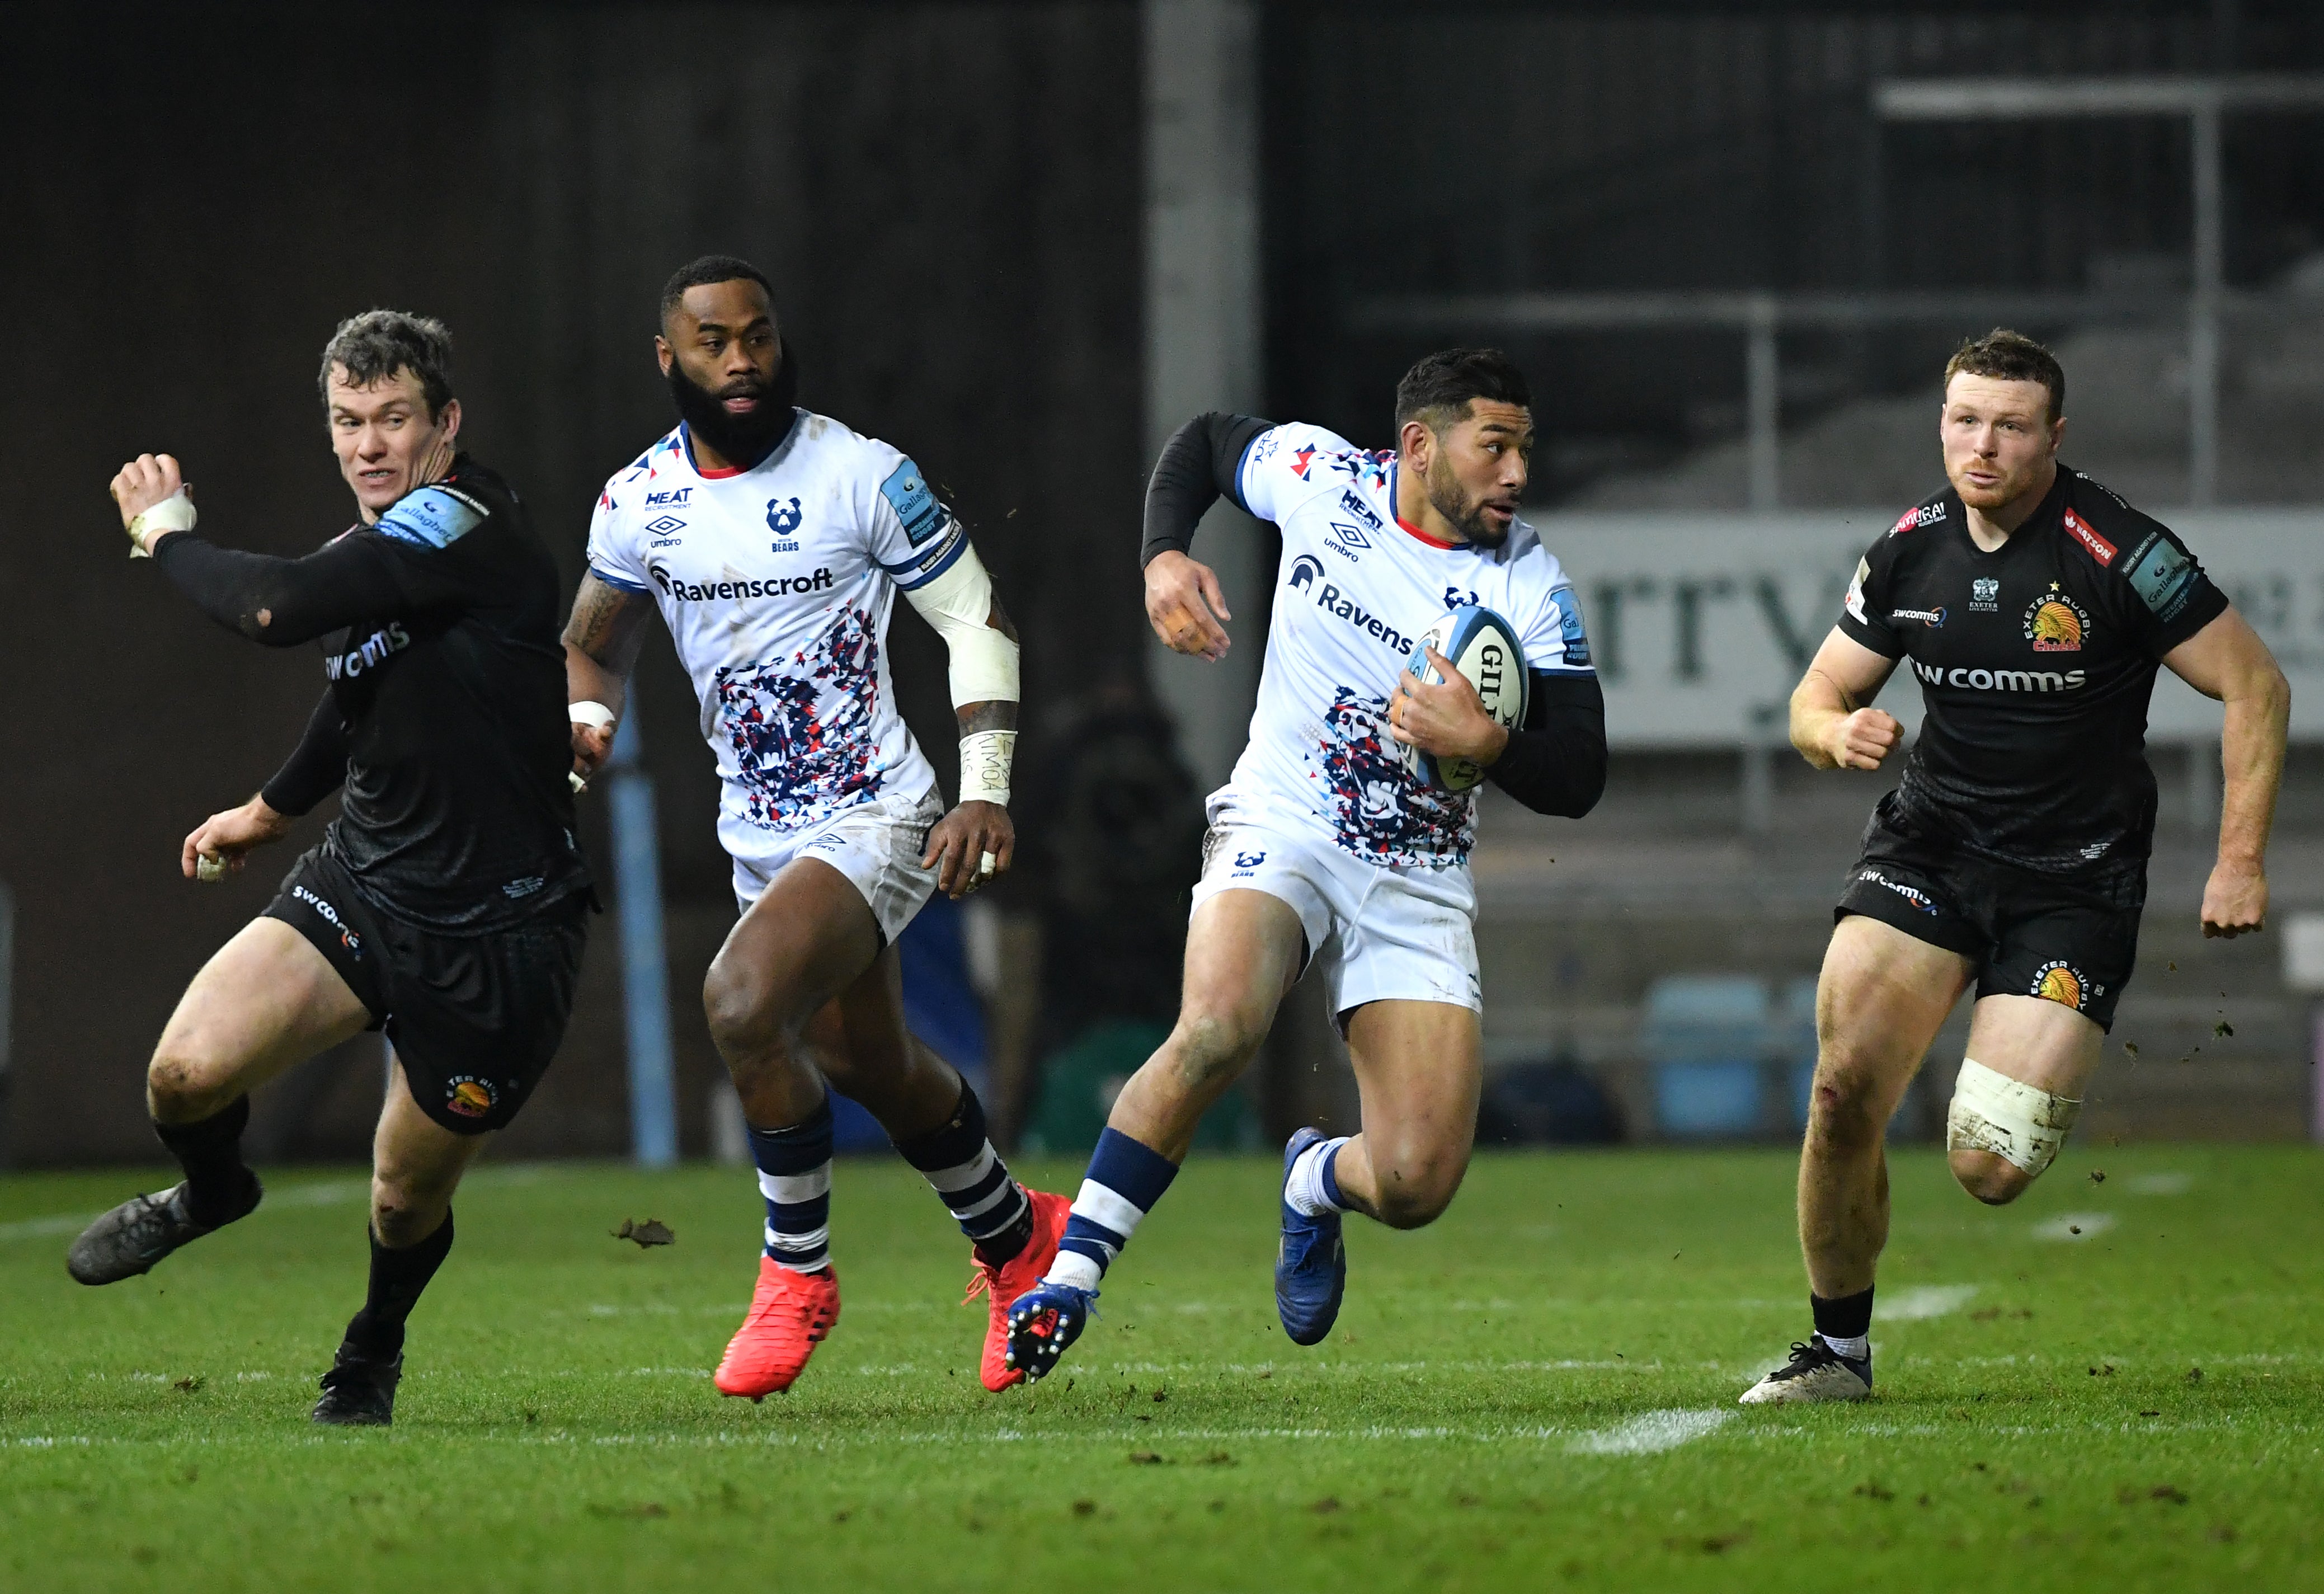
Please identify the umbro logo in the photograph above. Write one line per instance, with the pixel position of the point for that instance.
(664, 526)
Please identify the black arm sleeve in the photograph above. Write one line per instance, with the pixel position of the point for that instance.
(1198, 463)
(282, 603)
(1555, 762)
(316, 767)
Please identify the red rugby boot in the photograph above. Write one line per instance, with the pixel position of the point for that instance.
(789, 1315)
(1002, 1284)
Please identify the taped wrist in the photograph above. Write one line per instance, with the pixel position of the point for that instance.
(985, 757)
(958, 603)
(2022, 1124)
(173, 513)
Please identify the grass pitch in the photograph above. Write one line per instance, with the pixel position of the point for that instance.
(1538, 1392)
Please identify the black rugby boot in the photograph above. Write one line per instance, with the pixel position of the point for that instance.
(359, 1392)
(133, 1237)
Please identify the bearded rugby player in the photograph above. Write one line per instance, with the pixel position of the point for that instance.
(2034, 606)
(447, 902)
(1326, 846)
(773, 542)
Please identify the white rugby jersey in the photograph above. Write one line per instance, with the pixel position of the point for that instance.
(778, 582)
(1355, 589)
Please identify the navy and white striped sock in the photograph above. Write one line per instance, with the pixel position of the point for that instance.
(1313, 1188)
(1124, 1181)
(795, 1176)
(958, 1160)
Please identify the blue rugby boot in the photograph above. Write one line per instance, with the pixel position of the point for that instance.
(1311, 1266)
(1042, 1322)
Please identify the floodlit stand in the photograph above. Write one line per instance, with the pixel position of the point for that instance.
(2204, 101)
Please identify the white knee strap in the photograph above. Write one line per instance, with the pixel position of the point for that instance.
(2020, 1124)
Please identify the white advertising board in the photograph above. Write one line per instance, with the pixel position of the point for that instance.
(1702, 624)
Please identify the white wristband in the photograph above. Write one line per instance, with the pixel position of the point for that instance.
(984, 759)
(596, 715)
(173, 513)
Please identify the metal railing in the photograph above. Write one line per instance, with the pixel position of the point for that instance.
(1760, 316)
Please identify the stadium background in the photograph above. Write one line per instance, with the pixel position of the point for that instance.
(950, 200)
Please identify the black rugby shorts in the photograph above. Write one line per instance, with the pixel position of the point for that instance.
(474, 1019)
(2029, 934)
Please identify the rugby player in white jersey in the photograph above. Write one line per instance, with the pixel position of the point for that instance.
(774, 542)
(1325, 846)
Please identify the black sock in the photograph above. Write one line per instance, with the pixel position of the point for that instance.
(1848, 1318)
(397, 1277)
(219, 1187)
(958, 1159)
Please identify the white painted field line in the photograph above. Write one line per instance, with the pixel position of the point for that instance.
(2072, 1226)
(1651, 1433)
(322, 1194)
(1671, 1434)
(318, 1192)
(1924, 1301)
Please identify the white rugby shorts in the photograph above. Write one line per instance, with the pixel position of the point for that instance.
(877, 845)
(1377, 933)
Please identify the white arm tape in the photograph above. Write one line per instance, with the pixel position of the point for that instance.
(596, 715)
(2021, 1124)
(984, 759)
(173, 513)
(957, 603)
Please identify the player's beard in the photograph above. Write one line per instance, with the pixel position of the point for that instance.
(741, 439)
(1466, 515)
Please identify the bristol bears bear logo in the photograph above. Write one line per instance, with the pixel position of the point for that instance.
(784, 515)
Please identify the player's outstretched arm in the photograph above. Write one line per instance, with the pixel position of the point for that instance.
(1834, 724)
(1183, 601)
(275, 601)
(975, 843)
(2226, 661)
(602, 643)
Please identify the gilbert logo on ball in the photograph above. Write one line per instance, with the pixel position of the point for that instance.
(1483, 646)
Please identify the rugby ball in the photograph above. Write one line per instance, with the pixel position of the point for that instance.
(1483, 646)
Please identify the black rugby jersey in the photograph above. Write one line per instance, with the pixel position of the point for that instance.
(445, 711)
(2036, 663)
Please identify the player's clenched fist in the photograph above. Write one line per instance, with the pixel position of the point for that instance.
(1182, 597)
(144, 482)
(220, 843)
(1860, 741)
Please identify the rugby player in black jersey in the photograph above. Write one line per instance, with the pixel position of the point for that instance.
(2033, 605)
(446, 904)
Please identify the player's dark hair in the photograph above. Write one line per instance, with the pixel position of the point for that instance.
(2003, 355)
(711, 268)
(1438, 390)
(376, 345)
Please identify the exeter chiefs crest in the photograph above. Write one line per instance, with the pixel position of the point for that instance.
(2055, 623)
